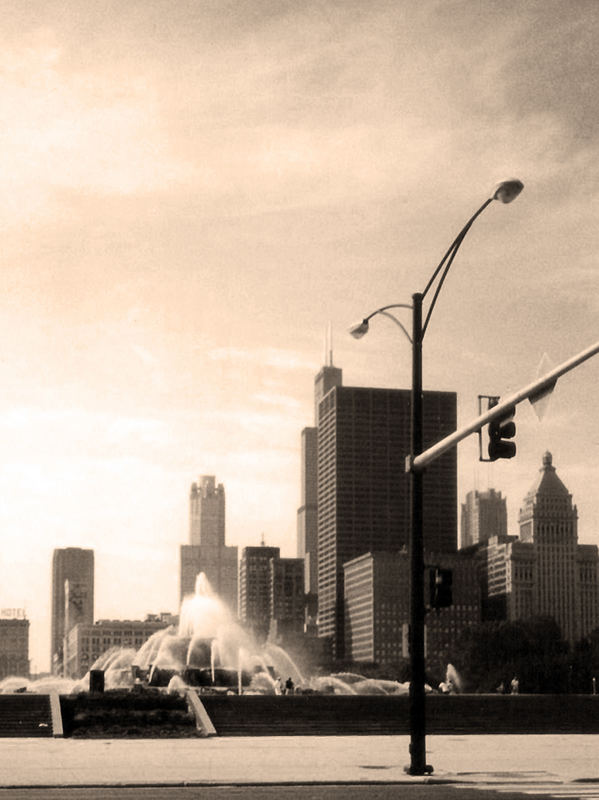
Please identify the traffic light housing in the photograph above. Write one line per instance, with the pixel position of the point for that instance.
(441, 593)
(499, 430)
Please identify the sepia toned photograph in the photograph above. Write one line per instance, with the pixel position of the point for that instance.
(299, 415)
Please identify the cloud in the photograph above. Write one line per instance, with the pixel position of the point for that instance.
(278, 400)
(77, 131)
(145, 356)
(47, 434)
(267, 357)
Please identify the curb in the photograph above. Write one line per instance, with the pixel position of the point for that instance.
(417, 780)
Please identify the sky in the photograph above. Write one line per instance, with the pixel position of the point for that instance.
(194, 191)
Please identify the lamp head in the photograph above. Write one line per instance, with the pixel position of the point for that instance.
(360, 329)
(507, 191)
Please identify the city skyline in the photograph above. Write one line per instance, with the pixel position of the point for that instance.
(511, 532)
(193, 192)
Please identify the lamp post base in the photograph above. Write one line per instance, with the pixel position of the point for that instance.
(426, 770)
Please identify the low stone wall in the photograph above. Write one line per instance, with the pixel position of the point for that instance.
(153, 713)
(255, 715)
(533, 713)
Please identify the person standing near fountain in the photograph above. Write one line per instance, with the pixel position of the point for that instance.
(289, 686)
(515, 685)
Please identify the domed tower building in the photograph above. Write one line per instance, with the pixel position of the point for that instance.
(565, 574)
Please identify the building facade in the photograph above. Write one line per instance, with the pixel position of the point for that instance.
(549, 520)
(307, 513)
(484, 514)
(85, 643)
(588, 589)
(307, 516)
(364, 490)
(377, 607)
(544, 572)
(207, 551)
(14, 643)
(255, 589)
(207, 512)
(286, 598)
(72, 599)
(510, 573)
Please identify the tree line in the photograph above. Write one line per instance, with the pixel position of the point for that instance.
(489, 655)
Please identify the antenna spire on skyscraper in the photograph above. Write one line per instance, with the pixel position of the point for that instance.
(328, 345)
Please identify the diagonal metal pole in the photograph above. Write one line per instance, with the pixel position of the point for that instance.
(531, 391)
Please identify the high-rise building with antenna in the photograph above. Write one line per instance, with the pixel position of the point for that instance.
(364, 490)
(355, 491)
(307, 514)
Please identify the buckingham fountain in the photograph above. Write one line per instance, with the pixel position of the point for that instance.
(210, 650)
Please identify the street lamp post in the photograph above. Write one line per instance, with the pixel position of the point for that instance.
(505, 192)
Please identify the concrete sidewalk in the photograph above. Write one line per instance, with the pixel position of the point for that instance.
(522, 759)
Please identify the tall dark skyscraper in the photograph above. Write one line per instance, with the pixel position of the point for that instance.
(72, 597)
(364, 491)
(206, 551)
(255, 588)
(307, 514)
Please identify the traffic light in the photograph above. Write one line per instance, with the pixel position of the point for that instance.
(441, 595)
(499, 430)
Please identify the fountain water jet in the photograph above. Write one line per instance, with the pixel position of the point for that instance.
(210, 649)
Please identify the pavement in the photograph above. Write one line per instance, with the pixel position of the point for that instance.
(525, 760)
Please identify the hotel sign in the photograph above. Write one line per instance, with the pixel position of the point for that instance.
(12, 613)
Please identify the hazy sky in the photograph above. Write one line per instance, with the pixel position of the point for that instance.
(193, 190)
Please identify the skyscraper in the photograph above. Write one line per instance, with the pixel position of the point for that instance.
(207, 513)
(484, 514)
(377, 607)
(549, 519)
(286, 597)
(363, 489)
(255, 588)
(545, 572)
(307, 515)
(207, 551)
(72, 597)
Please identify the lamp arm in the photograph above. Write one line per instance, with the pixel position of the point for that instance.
(456, 247)
(386, 308)
(455, 244)
(397, 322)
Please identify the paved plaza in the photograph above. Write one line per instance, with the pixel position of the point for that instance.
(522, 759)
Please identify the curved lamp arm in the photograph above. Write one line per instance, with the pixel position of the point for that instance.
(504, 192)
(397, 322)
(361, 328)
